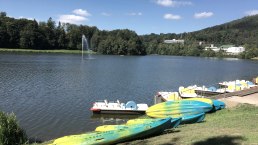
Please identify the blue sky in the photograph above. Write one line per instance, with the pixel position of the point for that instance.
(141, 16)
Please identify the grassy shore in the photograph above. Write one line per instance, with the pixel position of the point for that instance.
(43, 51)
(238, 125)
(233, 126)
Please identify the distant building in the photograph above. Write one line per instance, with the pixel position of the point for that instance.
(225, 47)
(229, 49)
(212, 47)
(235, 50)
(232, 49)
(174, 41)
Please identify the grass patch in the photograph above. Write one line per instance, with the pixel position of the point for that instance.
(44, 51)
(229, 126)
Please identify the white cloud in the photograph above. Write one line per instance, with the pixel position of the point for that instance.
(251, 13)
(81, 12)
(105, 14)
(172, 3)
(171, 17)
(73, 19)
(203, 15)
(134, 14)
(78, 17)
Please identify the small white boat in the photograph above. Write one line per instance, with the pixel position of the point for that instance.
(188, 92)
(118, 108)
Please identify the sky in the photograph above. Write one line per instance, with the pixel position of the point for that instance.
(141, 16)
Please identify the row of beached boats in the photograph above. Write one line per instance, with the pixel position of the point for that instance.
(116, 107)
(175, 110)
(159, 117)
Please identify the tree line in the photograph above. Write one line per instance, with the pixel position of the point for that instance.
(30, 34)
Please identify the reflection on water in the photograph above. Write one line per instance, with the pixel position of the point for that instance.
(114, 118)
(51, 94)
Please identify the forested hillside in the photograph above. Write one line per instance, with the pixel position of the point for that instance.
(242, 32)
(30, 34)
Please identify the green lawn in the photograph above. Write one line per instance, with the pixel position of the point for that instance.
(229, 126)
(42, 51)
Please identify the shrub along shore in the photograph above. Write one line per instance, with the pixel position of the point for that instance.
(10, 132)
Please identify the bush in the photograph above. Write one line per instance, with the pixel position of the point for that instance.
(10, 132)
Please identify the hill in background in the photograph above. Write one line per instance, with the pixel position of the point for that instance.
(241, 32)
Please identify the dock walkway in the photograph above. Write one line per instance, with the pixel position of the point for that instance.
(238, 93)
(241, 93)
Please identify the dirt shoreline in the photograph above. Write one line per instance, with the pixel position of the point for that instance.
(235, 100)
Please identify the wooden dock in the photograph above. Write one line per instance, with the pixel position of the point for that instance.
(241, 93)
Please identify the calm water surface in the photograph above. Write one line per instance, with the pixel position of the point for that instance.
(51, 94)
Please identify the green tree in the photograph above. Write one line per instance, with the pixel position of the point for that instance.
(61, 37)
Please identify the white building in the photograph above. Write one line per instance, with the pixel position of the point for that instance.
(229, 49)
(235, 50)
(212, 47)
(174, 41)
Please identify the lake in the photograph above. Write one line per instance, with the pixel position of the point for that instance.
(51, 94)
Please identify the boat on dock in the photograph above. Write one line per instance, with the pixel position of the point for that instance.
(203, 90)
(168, 96)
(237, 85)
(188, 92)
(255, 80)
(118, 108)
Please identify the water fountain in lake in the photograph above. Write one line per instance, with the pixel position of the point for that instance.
(85, 46)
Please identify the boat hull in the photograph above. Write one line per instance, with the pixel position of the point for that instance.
(219, 104)
(116, 136)
(175, 122)
(193, 118)
(177, 109)
(205, 100)
(107, 111)
(134, 122)
(201, 92)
